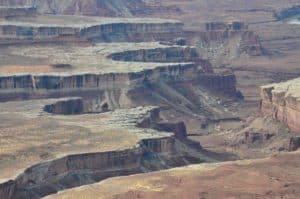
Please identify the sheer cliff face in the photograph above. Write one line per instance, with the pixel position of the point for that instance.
(85, 7)
(282, 102)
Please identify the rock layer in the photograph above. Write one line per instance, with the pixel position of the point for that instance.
(154, 150)
(66, 28)
(109, 70)
(282, 102)
(124, 8)
(279, 173)
(65, 145)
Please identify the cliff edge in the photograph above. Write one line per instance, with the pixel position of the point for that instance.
(282, 102)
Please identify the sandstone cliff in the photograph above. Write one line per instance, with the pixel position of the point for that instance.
(66, 28)
(282, 102)
(113, 72)
(278, 174)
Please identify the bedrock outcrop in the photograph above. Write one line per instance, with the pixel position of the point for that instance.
(113, 70)
(282, 102)
(173, 54)
(89, 7)
(66, 28)
(226, 41)
(112, 8)
(278, 174)
(122, 142)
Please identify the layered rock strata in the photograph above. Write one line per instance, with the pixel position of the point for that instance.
(115, 8)
(204, 181)
(64, 28)
(173, 54)
(282, 102)
(236, 25)
(83, 152)
(108, 70)
(67, 142)
(101, 73)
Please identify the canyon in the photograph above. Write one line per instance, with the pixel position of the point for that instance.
(79, 150)
(149, 99)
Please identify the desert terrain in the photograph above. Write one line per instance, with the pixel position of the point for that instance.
(278, 178)
(149, 99)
